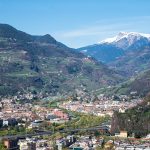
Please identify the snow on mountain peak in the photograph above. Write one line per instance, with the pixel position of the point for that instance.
(125, 35)
(108, 40)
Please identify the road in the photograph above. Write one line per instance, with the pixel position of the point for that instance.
(41, 133)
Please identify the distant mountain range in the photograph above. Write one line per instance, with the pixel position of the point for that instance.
(43, 66)
(128, 52)
(128, 40)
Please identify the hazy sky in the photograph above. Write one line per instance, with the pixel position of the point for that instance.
(77, 23)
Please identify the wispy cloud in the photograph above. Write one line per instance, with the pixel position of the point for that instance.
(102, 29)
(92, 30)
(104, 26)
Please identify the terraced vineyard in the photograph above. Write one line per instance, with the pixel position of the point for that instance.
(40, 64)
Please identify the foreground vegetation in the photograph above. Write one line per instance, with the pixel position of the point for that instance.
(14, 130)
(136, 120)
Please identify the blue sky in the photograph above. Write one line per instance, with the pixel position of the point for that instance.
(77, 23)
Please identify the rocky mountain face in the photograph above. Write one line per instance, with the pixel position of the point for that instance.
(44, 66)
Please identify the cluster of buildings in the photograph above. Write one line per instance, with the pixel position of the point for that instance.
(13, 113)
(133, 144)
(65, 142)
(71, 142)
(51, 114)
(87, 143)
(28, 144)
(100, 107)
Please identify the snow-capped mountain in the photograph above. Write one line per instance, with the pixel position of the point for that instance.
(125, 40)
(127, 51)
(110, 49)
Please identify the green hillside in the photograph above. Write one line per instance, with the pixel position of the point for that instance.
(135, 120)
(43, 66)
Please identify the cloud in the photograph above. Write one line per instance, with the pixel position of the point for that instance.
(95, 32)
(101, 27)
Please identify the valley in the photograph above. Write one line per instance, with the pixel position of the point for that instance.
(53, 96)
(74, 75)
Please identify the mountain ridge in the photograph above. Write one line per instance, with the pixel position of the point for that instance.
(41, 65)
(126, 52)
(128, 35)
